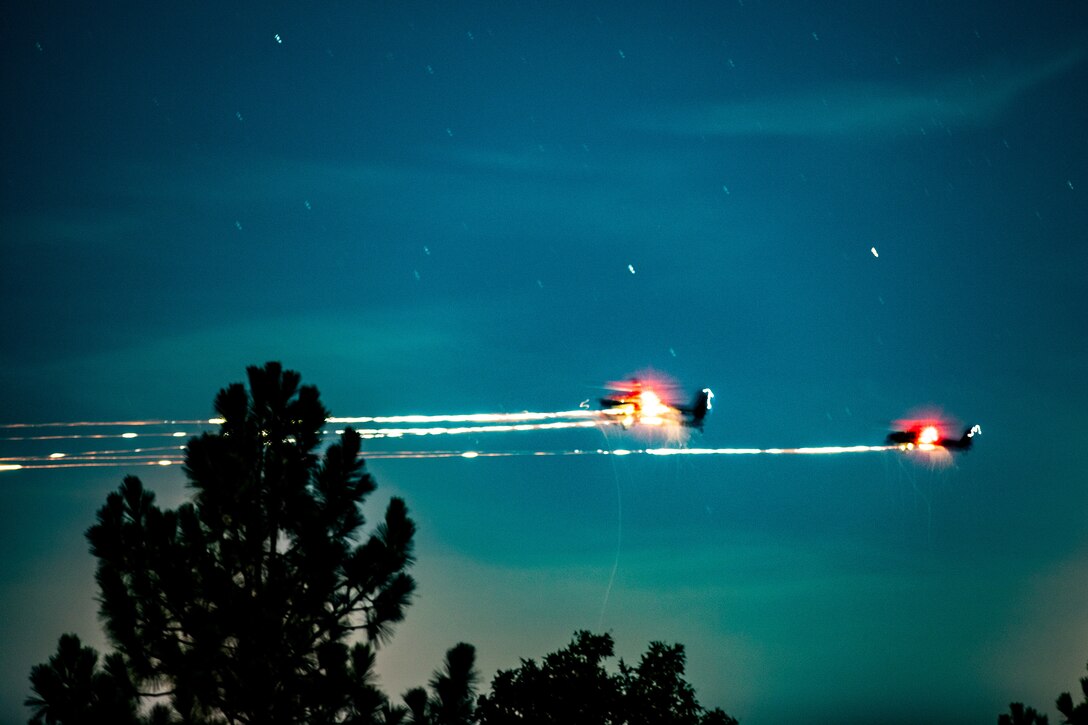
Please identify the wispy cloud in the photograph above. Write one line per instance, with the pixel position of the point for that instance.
(568, 191)
(968, 98)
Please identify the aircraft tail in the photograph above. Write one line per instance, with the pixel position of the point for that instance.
(701, 407)
(969, 436)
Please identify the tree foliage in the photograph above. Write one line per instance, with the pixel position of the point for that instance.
(1075, 714)
(72, 688)
(451, 700)
(1020, 715)
(239, 606)
(572, 687)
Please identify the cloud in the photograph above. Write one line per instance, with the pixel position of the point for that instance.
(535, 161)
(975, 98)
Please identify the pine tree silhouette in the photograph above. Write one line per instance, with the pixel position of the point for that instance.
(1021, 715)
(239, 606)
(1074, 714)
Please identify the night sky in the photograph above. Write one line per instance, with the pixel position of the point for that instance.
(436, 207)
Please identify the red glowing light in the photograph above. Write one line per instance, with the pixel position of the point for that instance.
(638, 402)
(929, 435)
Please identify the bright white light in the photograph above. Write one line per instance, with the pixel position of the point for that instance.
(873, 250)
(128, 435)
(469, 454)
(216, 421)
(440, 430)
(9, 466)
(57, 455)
(819, 450)
(468, 417)
(165, 462)
(651, 411)
(179, 434)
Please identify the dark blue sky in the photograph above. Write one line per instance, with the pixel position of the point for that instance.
(432, 207)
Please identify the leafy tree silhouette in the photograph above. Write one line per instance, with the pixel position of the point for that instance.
(239, 606)
(572, 687)
(1020, 715)
(1074, 714)
(453, 691)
